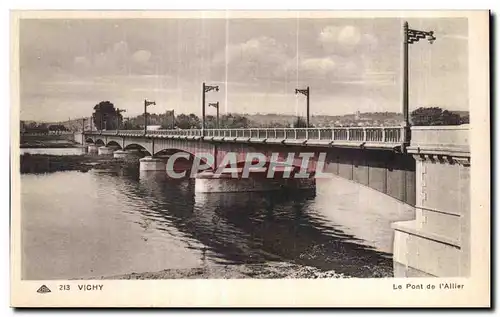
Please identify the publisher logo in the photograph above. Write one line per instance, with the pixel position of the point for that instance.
(43, 289)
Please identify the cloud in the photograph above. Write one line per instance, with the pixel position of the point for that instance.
(346, 35)
(82, 60)
(114, 58)
(255, 59)
(261, 49)
(345, 39)
(266, 62)
(117, 58)
(321, 66)
(141, 56)
(349, 35)
(332, 67)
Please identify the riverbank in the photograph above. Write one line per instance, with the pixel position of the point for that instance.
(46, 142)
(45, 163)
(47, 145)
(270, 270)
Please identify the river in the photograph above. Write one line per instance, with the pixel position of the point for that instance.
(102, 223)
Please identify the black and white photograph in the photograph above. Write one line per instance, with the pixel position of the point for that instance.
(232, 145)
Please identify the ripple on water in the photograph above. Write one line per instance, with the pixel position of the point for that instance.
(92, 224)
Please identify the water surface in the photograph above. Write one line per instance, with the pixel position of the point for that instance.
(77, 225)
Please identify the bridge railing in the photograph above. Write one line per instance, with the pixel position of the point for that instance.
(355, 134)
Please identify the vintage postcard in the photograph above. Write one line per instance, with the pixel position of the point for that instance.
(250, 159)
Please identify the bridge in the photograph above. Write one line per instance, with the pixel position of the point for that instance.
(431, 173)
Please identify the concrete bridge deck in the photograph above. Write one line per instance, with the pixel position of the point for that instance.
(356, 137)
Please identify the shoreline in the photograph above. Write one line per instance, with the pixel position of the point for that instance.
(48, 163)
(48, 145)
(37, 143)
(268, 270)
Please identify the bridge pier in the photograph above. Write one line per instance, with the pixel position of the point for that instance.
(437, 241)
(105, 150)
(149, 163)
(125, 154)
(84, 148)
(206, 182)
(92, 148)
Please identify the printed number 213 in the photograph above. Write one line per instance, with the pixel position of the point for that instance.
(64, 287)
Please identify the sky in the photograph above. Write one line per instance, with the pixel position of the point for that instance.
(350, 64)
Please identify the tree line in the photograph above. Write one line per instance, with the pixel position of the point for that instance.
(107, 117)
(34, 127)
(428, 116)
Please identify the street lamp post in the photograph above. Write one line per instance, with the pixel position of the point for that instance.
(146, 104)
(305, 92)
(216, 105)
(410, 36)
(205, 89)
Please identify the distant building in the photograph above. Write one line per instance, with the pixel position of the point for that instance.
(357, 116)
(169, 120)
(153, 127)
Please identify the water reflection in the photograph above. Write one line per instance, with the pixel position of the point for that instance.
(104, 223)
(235, 228)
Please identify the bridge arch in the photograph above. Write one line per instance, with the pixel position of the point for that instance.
(99, 142)
(181, 163)
(115, 144)
(89, 140)
(162, 145)
(172, 151)
(135, 146)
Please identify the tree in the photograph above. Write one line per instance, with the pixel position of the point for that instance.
(450, 118)
(211, 122)
(130, 125)
(434, 116)
(105, 116)
(182, 121)
(299, 123)
(57, 127)
(234, 121)
(465, 119)
(194, 121)
(190, 121)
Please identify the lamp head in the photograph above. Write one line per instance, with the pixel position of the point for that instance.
(430, 37)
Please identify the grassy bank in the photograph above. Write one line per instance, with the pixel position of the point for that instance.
(44, 163)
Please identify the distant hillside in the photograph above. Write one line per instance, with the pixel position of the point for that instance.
(281, 120)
